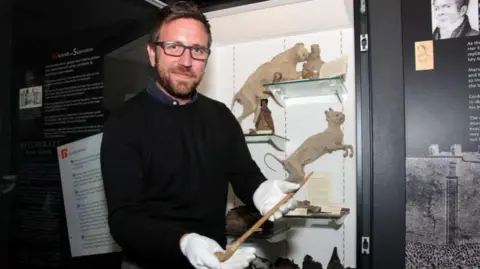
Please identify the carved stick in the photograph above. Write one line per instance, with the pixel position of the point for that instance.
(223, 256)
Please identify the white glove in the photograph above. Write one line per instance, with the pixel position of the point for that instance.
(200, 250)
(270, 192)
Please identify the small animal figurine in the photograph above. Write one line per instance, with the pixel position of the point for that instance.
(281, 67)
(311, 68)
(315, 146)
(265, 123)
(311, 208)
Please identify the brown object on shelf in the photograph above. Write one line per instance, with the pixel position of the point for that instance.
(309, 263)
(264, 123)
(317, 145)
(252, 131)
(311, 68)
(311, 208)
(241, 218)
(223, 256)
(282, 66)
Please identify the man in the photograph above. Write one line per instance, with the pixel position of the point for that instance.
(168, 154)
(452, 19)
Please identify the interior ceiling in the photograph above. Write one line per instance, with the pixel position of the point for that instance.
(33, 18)
(283, 20)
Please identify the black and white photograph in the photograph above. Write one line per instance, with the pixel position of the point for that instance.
(30, 97)
(454, 19)
(443, 216)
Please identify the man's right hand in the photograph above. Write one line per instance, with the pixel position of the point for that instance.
(199, 251)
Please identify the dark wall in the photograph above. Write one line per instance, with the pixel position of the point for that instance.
(35, 26)
(5, 160)
(388, 134)
(120, 82)
(5, 55)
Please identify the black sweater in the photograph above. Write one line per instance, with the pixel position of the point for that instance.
(166, 171)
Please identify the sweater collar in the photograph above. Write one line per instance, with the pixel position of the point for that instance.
(158, 94)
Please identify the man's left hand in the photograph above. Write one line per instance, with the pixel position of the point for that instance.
(270, 193)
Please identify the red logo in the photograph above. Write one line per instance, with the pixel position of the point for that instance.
(54, 56)
(64, 153)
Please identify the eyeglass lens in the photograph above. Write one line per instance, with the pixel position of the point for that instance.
(176, 49)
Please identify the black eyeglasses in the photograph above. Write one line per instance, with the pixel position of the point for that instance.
(173, 48)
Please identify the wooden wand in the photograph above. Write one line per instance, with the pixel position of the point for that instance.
(223, 256)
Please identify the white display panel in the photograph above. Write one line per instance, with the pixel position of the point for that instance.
(84, 197)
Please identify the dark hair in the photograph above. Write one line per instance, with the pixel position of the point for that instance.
(178, 10)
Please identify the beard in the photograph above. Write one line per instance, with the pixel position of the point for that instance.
(180, 88)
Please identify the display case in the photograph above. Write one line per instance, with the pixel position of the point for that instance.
(298, 110)
(300, 88)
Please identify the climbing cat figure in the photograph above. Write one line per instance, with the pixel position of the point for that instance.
(315, 146)
(281, 67)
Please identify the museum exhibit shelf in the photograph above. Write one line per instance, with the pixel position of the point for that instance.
(277, 233)
(276, 141)
(323, 218)
(333, 86)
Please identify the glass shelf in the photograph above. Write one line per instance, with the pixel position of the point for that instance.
(276, 141)
(309, 88)
(323, 218)
(275, 234)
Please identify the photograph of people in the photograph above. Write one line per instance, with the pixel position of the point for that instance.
(454, 19)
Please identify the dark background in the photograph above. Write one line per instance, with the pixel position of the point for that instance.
(437, 100)
(5, 56)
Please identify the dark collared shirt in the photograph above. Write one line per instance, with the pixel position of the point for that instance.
(158, 94)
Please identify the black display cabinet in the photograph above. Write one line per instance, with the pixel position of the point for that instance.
(381, 182)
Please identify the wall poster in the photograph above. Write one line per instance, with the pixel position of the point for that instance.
(84, 197)
(58, 90)
(441, 46)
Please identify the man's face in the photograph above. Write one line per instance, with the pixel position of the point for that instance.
(448, 11)
(179, 76)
